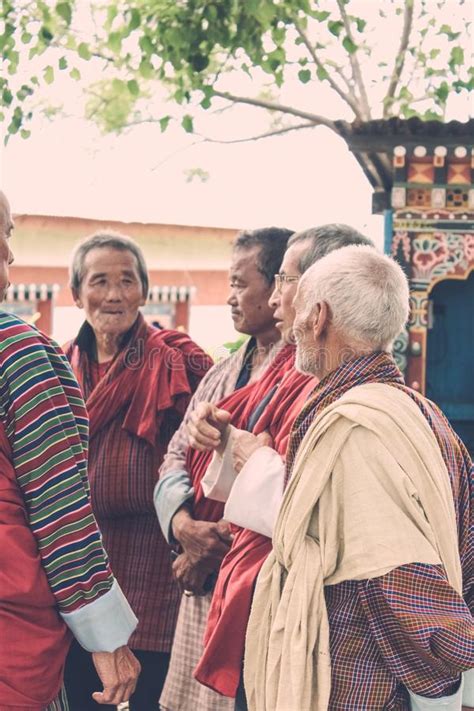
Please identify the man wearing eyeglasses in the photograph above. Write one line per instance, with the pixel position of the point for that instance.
(221, 664)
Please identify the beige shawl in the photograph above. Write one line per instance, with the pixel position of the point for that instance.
(369, 492)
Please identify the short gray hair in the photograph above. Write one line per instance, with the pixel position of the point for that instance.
(100, 240)
(367, 294)
(325, 239)
(272, 241)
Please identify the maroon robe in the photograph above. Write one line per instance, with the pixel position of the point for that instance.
(33, 638)
(134, 410)
(221, 663)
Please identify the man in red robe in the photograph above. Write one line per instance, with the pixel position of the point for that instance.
(221, 664)
(186, 516)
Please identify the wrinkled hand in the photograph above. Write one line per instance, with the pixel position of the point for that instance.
(207, 427)
(244, 445)
(118, 672)
(205, 543)
(189, 577)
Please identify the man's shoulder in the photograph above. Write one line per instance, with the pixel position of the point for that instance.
(173, 339)
(14, 331)
(18, 338)
(196, 360)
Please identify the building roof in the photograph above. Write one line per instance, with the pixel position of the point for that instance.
(372, 143)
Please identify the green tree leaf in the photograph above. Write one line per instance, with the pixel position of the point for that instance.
(45, 34)
(320, 15)
(164, 122)
(448, 31)
(49, 74)
(187, 123)
(321, 73)
(457, 57)
(64, 10)
(135, 19)
(335, 27)
(349, 45)
(304, 75)
(84, 51)
(115, 42)
(133, 87)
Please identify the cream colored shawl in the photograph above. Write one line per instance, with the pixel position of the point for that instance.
(369, 492)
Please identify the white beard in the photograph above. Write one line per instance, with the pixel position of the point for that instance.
(305, 361)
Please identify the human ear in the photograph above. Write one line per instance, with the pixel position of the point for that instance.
(77, 299)
(321, 319)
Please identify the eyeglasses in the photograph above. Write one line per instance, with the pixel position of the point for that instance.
(281, 279)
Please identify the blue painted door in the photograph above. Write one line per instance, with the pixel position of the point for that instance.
(450, 357)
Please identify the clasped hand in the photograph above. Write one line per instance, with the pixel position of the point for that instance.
(204, 545)
(208, 430)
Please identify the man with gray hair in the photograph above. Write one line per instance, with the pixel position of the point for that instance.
(220, 666)
(366, 599)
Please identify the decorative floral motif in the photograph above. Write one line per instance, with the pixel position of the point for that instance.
(401, 237)
(429, 250)
(439, 254)
(400, 346)
(418, 310)
(469, 248)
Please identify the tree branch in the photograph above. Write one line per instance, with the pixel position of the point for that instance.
(267, 134)
(349, 97)
(400, 59)
(356, 71)
(206, 139)
(282, 108)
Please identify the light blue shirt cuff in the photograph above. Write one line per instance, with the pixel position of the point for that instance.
(444, 703)
(468, 693)
(105, 624)
(171, 492)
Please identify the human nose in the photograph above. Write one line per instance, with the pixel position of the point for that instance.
(274, 300)
(114, 292)
(232, 299)
(11, 257)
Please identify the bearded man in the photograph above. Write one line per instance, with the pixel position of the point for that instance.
(366, 599)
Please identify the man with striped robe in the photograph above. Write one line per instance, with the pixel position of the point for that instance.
(54, 574)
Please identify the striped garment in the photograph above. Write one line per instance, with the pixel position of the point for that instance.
(44, 416)
(408, 628)
(60, 703)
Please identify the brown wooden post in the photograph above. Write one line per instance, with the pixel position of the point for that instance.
(45, 321)
(181, 315)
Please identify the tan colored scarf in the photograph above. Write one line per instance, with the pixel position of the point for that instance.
(369, 492)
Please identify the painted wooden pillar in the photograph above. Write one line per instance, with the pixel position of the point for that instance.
(433, 235)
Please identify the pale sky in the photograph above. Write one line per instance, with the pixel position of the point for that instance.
(67, 167)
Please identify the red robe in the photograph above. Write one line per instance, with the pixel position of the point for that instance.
(134, 410)
(221, 664)
(33, 638)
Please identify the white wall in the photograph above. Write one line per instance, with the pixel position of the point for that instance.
(67, 321)
(211, 327)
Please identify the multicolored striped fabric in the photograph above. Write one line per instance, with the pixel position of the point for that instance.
(60, 703)
(45, 419)
(408, 629)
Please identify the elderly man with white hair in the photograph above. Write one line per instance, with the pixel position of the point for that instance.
(366, 599)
